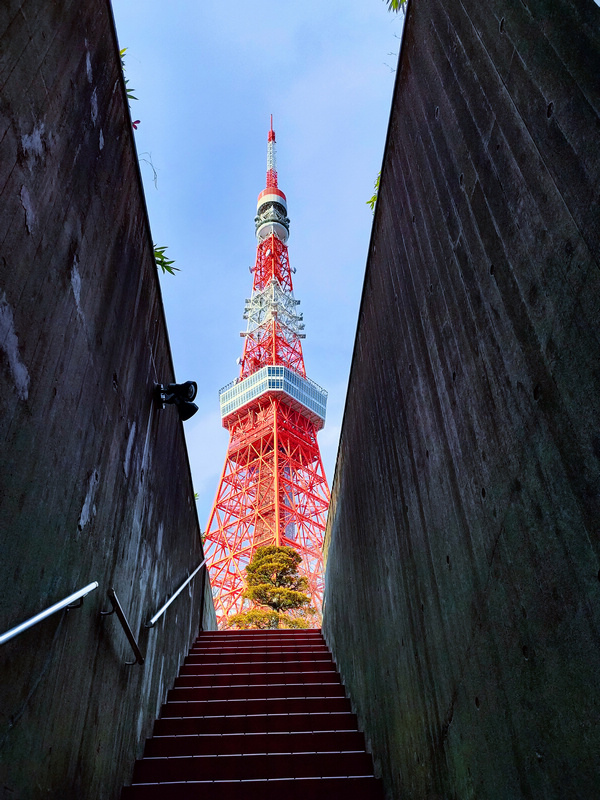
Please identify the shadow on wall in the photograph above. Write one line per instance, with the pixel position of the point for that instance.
(462, 587)
(95, 485)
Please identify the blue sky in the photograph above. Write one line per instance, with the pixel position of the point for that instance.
(207, 75)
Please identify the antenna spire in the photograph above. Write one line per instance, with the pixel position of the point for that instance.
(271, 159)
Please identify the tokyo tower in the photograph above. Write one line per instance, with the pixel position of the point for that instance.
(273, 489)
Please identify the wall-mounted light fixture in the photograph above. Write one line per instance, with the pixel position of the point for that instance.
(180, 395)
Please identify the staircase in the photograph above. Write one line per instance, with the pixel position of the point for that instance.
(256, 714)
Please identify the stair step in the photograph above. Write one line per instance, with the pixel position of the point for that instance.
(249, 743)
(256, 723)
(264, 705)
(241, 650)
(258, 636)
(255, 641)
(276, 634)
(268, 656)
(246, 644)
(253, 767)
(288, 789)
(196, 666)
(248, 692)
(256, 678)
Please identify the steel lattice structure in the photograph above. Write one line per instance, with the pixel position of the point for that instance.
(273, 488)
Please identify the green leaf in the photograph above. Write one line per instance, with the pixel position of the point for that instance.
(395, 5)
(166, 264)
(130, 95)
(372, 200)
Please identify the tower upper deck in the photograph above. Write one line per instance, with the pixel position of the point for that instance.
(300, 393)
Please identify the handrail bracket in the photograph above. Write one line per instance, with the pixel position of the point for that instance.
(117, 608)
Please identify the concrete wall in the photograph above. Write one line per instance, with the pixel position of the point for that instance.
(463, 596)
(94, 479)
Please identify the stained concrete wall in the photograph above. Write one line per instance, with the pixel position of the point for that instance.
(94, 479)
(462, 598)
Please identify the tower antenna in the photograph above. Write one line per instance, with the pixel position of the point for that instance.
(271, 158)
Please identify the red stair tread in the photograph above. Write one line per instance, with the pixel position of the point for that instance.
(250, 656)
(259, 644)
(294, 789)
(264, 639)
(253, 767)
(265, 705)
(233, 743)
(257, 678)
(198, 667)
(255, 723)
(252, 633)
(247, 692)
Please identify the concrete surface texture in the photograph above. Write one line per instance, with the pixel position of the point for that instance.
(463, 593)
(94, 478)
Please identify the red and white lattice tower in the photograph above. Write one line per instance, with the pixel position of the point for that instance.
(273, 489)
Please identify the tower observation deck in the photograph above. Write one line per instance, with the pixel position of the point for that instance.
(273, 489)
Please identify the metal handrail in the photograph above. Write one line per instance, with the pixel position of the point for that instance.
(66, 603)
(116, 607)
(151, 623)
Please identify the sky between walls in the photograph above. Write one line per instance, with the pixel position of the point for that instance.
(207, 75)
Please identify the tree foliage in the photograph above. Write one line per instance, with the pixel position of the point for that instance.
(273, 581)
(265, 619)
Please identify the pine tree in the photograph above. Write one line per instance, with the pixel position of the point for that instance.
(273, 581)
